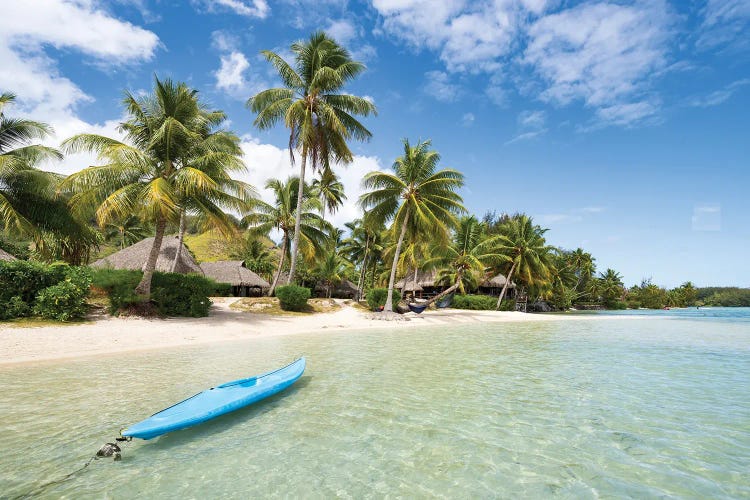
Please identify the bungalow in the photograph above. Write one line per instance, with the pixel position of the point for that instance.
(135, 256)
(245, 283)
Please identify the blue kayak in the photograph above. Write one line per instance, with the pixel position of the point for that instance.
(217, 401)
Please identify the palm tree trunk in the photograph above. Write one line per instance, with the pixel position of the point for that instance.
(180, 239)
(281, 264)
(392, 280)
(144, 287)
(298, 216)
(363, 271)
(449, 290)
(505, 286)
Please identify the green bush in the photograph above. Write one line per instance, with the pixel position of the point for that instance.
(292, 297)
(118, 285)
(67, 299)
(181, 294)
(376, 297)
(19, 278)
(475, 302)
(15, 308)
(618, 305)
(171, 294)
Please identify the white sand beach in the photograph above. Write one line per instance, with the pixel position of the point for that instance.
(23, 344)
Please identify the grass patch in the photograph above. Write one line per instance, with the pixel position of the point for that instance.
(40, 322)
(270, 305)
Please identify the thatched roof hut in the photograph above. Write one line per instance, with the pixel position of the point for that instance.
(6, 256)
(425, 279)
(134, 256)
(236, 274)
(497, 282)
(344, 290)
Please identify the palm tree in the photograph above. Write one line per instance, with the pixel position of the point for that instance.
(21, 183)
(319, 115)
(282, 216)
(330, 190)
(466, 259)
(149, 175)
(414, 196)
(127, 231)
(610, 286)
(331, 270)
(363, 245)
(258, 258)
(522, 245)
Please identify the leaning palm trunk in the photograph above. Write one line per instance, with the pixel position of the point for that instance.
(447, 291)
(278, 271)
(363, 271)
(392, 279)
(298, 217)
(144, 287)
(180, 239)
(505, 286)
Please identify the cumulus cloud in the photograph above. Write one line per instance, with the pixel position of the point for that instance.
(440, 86)
(602, 54)
(230, 76)
(28, 28)
(248, 8)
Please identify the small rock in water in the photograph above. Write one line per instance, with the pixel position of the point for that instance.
(109, 450)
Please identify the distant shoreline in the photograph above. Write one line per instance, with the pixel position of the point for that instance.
(31, 345)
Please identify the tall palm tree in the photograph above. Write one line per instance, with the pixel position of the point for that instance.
(416, 195)
(522, 245)
(319, 115)
(148, 175)
(282, 214)
(363, 245)
(330, 190)
(609, 286)
(465, 260)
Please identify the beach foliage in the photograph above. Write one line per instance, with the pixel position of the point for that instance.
(376, 298)
(53, 291)
(313, 105)
(416, 197)
(293, 297)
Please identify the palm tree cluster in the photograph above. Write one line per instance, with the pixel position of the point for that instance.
(172, 168)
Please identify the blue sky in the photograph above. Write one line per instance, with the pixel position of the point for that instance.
(622, 126)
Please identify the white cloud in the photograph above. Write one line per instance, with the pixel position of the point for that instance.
(719, 96)
(27, 28)
(252, 8)
(531, 124)
(341, 30)
(467, 120)
(602, 54)
(724, 22)
(440, 87)
(229, 76)
(266, 161)
(223, 41)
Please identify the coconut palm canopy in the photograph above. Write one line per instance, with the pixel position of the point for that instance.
(135, 256)
(233, 272)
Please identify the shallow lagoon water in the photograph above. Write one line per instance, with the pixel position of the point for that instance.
(593, 408)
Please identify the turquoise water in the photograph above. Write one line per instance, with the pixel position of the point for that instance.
(640, 407)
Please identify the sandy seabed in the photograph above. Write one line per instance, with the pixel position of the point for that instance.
(116, 335)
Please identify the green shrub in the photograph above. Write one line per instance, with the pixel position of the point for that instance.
(181, 294)
(171, 294)
(15, 308)
(19, 278)
(618, 305)
(67, 299)
(292, 297)
(475, 302)
(377, 296)
(118, 285)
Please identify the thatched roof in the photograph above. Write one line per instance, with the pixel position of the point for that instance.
(134, 256)
(6, 256)
(424, 279)
(233, 272)
(497, 282)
